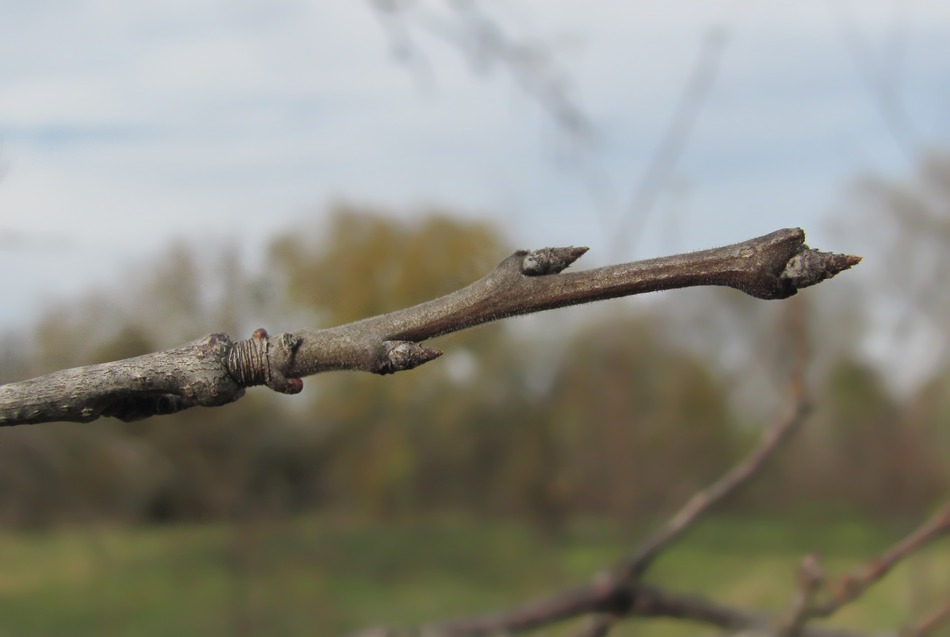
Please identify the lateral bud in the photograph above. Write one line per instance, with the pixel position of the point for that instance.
(398, 356)
(550, 260)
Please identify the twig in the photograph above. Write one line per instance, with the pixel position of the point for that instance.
(882, 90)
(617, 593)
(850, 587)
(653, 602)
(839, 592)
(486, 43)
(810, 578)
(215, 370)
(926, 626)
(640, 601)
(703, 500)
(665, 157)
(598, 626)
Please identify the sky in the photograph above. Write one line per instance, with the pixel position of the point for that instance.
(127, 125)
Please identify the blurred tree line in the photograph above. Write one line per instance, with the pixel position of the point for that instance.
(622, 413)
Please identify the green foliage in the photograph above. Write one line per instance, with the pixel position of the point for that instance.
(330, 576)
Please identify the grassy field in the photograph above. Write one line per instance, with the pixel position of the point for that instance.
(328, 576)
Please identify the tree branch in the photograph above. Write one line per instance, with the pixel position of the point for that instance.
(705, 499)
(215, 370)
(936, 619)
(848, 588)
(820, 598)
(639, 601)
(598, 626)
(810, 578)
(617, 593)
(653, 602)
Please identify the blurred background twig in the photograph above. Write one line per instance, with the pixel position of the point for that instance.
(171, 170)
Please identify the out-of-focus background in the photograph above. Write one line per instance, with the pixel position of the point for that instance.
(170, 169)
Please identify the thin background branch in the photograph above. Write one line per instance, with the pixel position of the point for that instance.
(672, 145)
(931, 622)
(617, 593)
(850, 587)
(880, 78)
(533, 67)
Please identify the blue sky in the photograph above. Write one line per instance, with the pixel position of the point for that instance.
(126, 125)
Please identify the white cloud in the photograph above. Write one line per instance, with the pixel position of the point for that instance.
(125, 124)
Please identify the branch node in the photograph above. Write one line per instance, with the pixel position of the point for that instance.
(399, 356)
(247, 360)
(255, 362)
(550, 260)
(811, 576)
(281, 360)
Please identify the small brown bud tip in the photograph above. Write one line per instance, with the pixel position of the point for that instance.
(809, 267)
(399, 356)
(430, 354)
(286, 385)
(259, 334)
(550, 260)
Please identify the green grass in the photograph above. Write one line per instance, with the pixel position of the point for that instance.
(328, 576)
